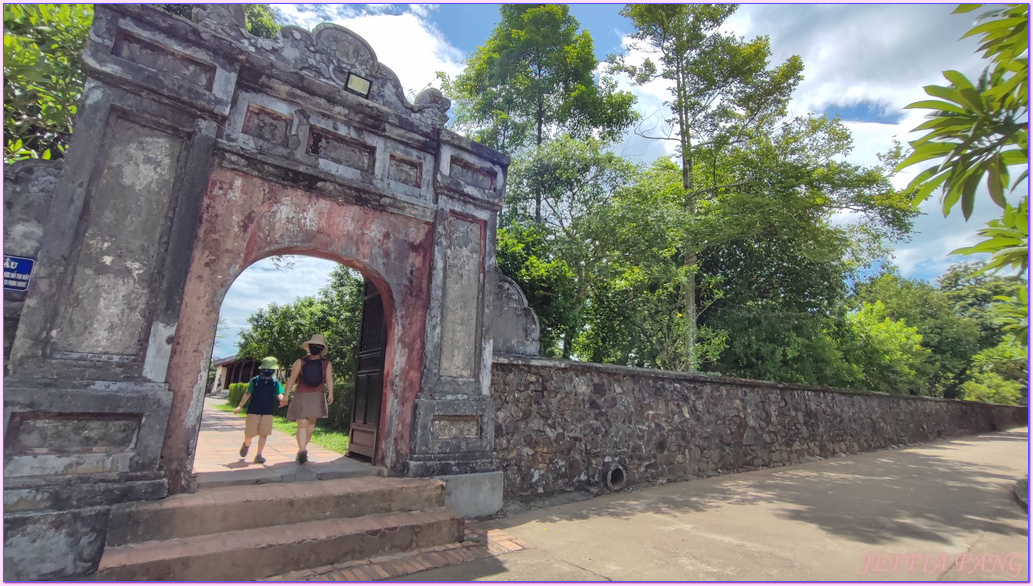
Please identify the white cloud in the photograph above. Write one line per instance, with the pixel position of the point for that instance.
(884, 52)
(422, 10)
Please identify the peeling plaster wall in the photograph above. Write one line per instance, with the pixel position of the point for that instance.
(562, 425)
(514, 325)
(463, 277)
(28, 189)
(123, 237)
(245, 219)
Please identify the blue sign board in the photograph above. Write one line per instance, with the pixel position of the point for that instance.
(16, 273)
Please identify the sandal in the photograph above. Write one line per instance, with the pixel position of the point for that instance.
(259, 459)
(243, 450)
(302, 456)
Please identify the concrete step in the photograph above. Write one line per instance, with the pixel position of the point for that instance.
(288, 472)
(253, 554)
(221, 510)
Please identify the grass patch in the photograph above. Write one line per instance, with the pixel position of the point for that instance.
(330, 439)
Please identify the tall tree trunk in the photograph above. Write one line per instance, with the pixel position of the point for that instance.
(538, 142)
(689, 310)
(691, 314)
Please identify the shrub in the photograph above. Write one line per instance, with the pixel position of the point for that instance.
(990, 387)
(236, 393)
(339, 413)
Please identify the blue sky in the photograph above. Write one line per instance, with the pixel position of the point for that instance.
(864, 62)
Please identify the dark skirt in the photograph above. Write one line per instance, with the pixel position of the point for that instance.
(307, 406)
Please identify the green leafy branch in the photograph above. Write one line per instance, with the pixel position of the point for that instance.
(1006, 239)
(978, 130)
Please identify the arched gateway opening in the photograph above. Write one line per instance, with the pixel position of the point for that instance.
(246, 218)
(198, 150)
(270, 308)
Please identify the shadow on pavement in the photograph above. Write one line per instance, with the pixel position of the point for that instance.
(873, 498)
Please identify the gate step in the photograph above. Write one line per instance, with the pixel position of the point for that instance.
(250, 533)
(231, 508)
(253, 554)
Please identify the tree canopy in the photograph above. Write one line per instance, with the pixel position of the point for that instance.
(979, 130)
(43, 76)
(534, 79)
(721, 89)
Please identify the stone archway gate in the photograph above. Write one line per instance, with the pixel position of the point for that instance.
(198, 150)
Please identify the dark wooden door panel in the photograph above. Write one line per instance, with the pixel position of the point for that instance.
(369, 375)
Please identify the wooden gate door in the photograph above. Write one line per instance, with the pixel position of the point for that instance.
(369, 374)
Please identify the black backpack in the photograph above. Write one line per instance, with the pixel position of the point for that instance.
(312, 372)
(263, 383)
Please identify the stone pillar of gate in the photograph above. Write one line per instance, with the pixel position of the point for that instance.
(86, 403)
(454, 419)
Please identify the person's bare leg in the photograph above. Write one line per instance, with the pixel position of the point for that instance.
(302, 434)
(261, 444)
(247, 444)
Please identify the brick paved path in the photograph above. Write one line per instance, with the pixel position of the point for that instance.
(480, 542)
(222, 434)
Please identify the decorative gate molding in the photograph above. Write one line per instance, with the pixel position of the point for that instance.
(200, 149)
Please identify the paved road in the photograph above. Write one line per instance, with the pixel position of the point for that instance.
(838, 519)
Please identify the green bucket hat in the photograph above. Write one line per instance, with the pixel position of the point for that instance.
(270, 363)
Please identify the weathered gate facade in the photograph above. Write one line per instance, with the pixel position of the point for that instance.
(200, 149)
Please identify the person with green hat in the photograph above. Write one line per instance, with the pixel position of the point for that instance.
(265, 393)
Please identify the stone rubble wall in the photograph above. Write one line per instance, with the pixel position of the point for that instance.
(561, 425)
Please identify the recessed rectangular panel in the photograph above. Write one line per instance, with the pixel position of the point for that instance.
(272, 127)
(462, 286)
(52, 433)
(169, 63)
(340, 150)
(467, 172)
(446, 427)
(404, 171)
(363, 440)
(106, 310)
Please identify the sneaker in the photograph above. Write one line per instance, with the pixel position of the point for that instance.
(243, 450)
(302, 456)
(260, 459)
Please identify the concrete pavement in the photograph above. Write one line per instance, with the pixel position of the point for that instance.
(935, 511)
